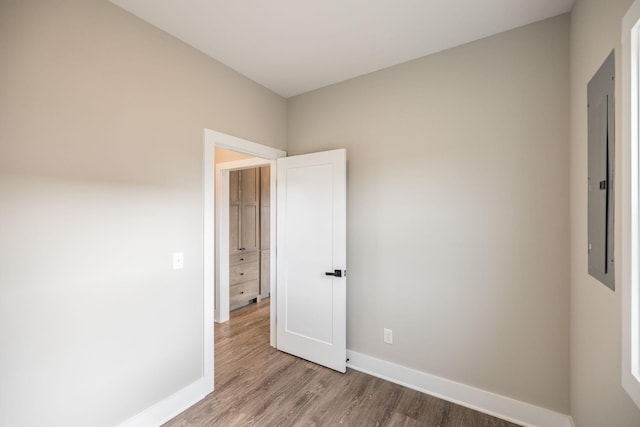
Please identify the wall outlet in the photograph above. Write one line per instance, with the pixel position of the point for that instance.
(388, 336)
(178, 260)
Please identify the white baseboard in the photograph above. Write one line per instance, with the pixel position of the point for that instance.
(489, 403)
(171, 406)
(484, 401)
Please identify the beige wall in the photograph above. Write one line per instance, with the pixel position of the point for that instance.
(597, 398)
(101, 138)
(458, 209)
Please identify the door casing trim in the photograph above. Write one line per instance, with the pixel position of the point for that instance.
(213, 139)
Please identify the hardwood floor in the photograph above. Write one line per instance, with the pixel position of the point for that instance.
(259, 386)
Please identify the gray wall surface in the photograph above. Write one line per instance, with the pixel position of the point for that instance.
(101, 141)
(458, 209)
(597, 398)
(467, 227)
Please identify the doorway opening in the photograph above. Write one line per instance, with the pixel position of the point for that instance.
(243, 225)
(308, 290)
(213, 140)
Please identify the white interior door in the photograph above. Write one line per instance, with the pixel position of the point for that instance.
(311, 242)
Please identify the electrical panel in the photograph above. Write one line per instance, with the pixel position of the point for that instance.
(601, 172)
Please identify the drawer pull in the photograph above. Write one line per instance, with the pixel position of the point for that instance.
(242, 292)
(242, 274)
(241, 259)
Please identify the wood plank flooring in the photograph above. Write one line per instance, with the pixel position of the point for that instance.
(256, 385)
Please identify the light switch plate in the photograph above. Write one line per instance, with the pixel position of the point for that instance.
(388, 336)
(178, 260)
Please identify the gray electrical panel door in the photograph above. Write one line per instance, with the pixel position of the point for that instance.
(601, 143)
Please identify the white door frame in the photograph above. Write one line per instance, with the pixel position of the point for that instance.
(213, 139)
(222, 228)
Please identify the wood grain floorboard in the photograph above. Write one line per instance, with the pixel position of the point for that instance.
(256, 385)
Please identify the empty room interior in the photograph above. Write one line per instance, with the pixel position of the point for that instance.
(464, 129)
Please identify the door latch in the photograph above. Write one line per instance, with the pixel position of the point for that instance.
(336, 273)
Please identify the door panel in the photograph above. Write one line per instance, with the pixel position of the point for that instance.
(234, 229)
(265, 207)
(250, 224)
(234, 187)
(249, 194)
(311, 240)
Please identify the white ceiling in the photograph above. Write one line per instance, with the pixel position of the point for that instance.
(295, 46)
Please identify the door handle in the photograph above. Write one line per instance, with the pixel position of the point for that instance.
(335, 273)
